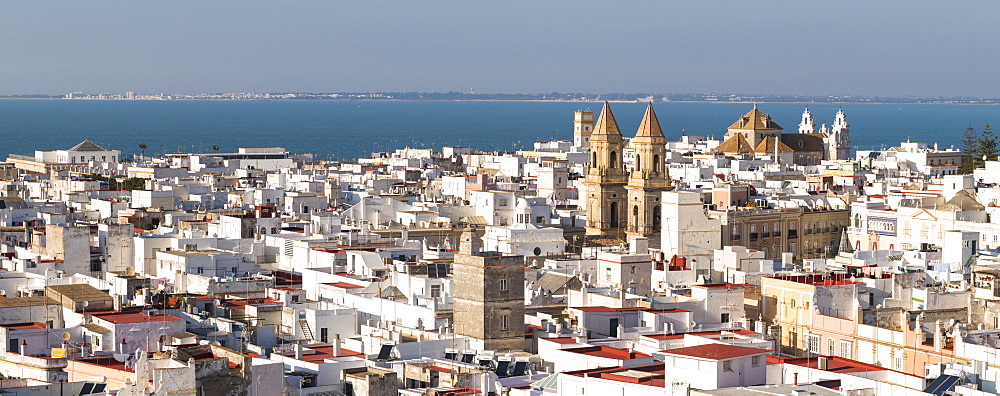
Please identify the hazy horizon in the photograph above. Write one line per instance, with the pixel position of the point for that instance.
(894, 48)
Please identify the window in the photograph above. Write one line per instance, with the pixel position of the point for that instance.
(727, 365)
(755, 361)
(503, 284)
(632, 270)
(435, 291)
(845, 349)
(812, 343)
(201, 270)
(899, 363)
(607, 274)
(503, 322)
(831, 347)
(725, 318)
(323, 334)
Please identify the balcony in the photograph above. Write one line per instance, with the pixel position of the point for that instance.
(765, 235)
(753, 236)
(736, 237)
(793, 234)
(777, 233)
(807, 231)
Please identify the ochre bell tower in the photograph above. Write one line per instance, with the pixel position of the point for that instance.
(605, 180)
(649, 178)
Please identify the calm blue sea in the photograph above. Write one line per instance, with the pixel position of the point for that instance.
(348, 129)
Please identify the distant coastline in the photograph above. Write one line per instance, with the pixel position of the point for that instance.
(521, 97)
(929, 102)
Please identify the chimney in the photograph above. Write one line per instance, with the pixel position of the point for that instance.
(159, 343)
(83, 349)
(298, 351)
(822, 363)
(336, 345)
(639, 245)
(24, 347)
(938, 336)
(307, 229)
(795, 377)
(122, 346)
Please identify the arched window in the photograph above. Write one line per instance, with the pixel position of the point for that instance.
(656, 218)
(593, 162)
(613, 160)
(656, 163)
(614, 214)
(638, 163)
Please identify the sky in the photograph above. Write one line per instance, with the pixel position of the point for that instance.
(846, 47)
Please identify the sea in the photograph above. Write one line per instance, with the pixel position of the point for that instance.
(344, 130)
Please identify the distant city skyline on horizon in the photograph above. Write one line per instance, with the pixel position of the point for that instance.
(851, 47)
(722, 97)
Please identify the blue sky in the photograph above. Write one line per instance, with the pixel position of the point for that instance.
(893, 48)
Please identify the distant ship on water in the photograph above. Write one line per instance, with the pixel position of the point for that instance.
(650, 99)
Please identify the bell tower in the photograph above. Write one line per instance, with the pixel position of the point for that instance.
(840, 137)
(807, 125)
(649, 178)
(605, 180)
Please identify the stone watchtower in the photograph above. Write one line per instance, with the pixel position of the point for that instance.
(605, 180)
(649, 177)
(583, 126)
(488, 295)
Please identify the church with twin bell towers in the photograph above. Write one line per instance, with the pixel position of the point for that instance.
(619, 200)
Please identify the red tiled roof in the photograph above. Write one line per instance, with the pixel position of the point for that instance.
(716, 351)
(714, 285)
(607, 309)
(676, 336)
(608, 352)
(651, 375)
(317, 354)
(344, 285)
(24, 326)
(561, 340)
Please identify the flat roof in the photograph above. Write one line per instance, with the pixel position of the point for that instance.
(79, 292)
(608, 352)
(16, 302)
(716, 351)
(834, 364)
(24, 326)
(135, 317)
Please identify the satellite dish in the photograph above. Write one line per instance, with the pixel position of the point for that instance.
(129, 271)
(66, 336)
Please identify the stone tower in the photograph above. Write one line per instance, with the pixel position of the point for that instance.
(807, 125)
(605, 180)
(488, 296)
(649, 178)
(583, 126)
(840, 138)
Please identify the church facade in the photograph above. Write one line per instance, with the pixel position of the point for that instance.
(755, 134)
